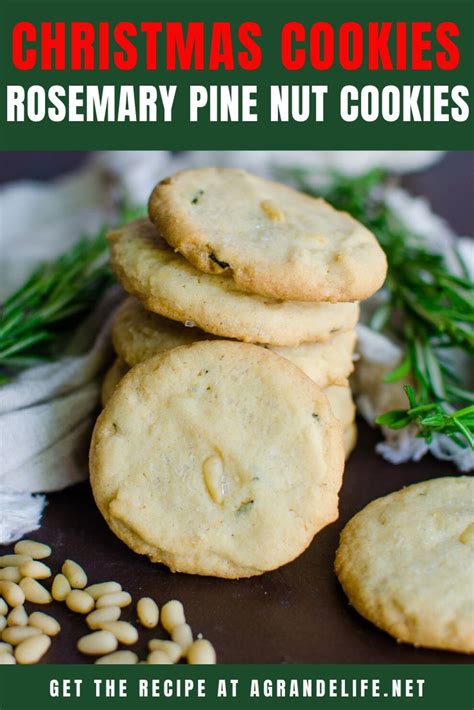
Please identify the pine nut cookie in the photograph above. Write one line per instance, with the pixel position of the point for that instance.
(114, 375)
(273, 240)
(118, 370)
(167, 284)
(406, 563)
(138, 334)
(218, 458)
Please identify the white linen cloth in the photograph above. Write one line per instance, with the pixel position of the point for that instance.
(47, 412)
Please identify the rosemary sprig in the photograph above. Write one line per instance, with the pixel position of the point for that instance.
(429, 309)
(34, 319)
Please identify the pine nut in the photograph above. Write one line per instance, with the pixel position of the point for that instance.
(13, 560)
(119, 599)
(172, 614)
(74, 574)
(36, 550)
(79, 601)
(5, 647)
(172, 649)
(123, 631)
(17, 634)
(33, 649)
(3, 622)
(10, 574)
(183, 636)
(7, 659)
(3, 607)
(45, 623)
(201, 651)
(148, 612)
(60, 588)
(17, 617)
(213, 474)
(467, 535)
(98, 590)
(12, 593)
(35, 569)
(158, 658)
(100, 616)
(35, 592)
(118, 658)
(97, 643)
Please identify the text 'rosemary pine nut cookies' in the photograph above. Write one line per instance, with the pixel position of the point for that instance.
(138, 334)
(406, 562)
(167, 284)
(274, 240)
(217, 458)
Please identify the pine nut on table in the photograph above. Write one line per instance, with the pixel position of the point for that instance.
(35, 592)
(100, 616)
(98, 643)
(148, 612)
(74, 574)
(119, 599)
(17, 616)
(172, 649)
(17, 634)
(98, 590)
(33, 649)
(35, 569)
(79, 601)
(201, 651)
(45, 623)
(123, 631)
(60, 588)
(12, 593)
(172, 614)
(36, 550)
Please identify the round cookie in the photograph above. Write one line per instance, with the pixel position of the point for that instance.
(119, 369)
(138, 334)
(327, 364)
(167, 284)
(218, 458)
(406, 562)
(275, 241)
(112, 377)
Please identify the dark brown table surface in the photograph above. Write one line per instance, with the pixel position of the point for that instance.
(297, 614)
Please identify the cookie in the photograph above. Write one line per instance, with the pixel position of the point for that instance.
(119, 369)
(115, 374)
(406, 562)
(167, 284)
(138, 334)
(273, 240)
(112, 377)
(218, 458)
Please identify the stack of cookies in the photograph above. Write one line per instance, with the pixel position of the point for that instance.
(228, 255)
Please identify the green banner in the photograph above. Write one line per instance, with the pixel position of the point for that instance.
(280, 75)
(434, 687)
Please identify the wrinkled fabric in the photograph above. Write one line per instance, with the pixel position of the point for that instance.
(47, 412)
